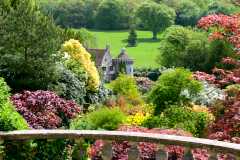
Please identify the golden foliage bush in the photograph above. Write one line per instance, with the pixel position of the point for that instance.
(77, 52)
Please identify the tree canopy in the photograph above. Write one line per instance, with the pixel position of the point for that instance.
(28, 46)
(156, 17)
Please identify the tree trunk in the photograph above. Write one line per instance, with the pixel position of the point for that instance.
(155, 35)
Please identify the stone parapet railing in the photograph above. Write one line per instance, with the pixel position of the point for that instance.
(188, 142)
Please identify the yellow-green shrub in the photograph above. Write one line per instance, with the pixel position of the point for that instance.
(79, 54)
(137, 119)
(203, 109)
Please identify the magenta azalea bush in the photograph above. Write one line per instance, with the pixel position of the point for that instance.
(44, 109)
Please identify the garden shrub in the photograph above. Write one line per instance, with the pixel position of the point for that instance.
(151, 73)
(184, 118)
(183, 47)
(137, 119)
(209, 94)
(144, 84)
(10, 119)
(226, 126)
(80, 57)
(126, 86)
(175, 86)
(103, 118)
(69, 86)
(99, 96)
(44, 109)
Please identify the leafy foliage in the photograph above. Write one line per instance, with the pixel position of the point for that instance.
(132, 38)
(69, 86)
(81, 58)
(209, 94)
(126, 86)
(144, 84)
(187, 13)
(103, 118)
(222, 7)
(225, 28)
(156, 17)
(226, 126)
(184, 47)
(44, 109)
(29, 43)
(69, 14)
(181, 118)
(110, 15)
(9, 118)
(84, 36)
(173, 87)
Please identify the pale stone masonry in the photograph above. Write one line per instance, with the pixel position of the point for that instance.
(110, 67)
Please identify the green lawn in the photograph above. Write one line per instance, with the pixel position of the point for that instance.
(144, 54)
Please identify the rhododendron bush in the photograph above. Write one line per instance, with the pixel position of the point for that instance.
(227, 125)
(227, 28)
(44, 109)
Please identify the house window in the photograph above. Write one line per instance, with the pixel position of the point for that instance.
(111, 68)
(103, 68)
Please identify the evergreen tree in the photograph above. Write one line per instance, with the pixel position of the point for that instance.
(28, 46)
(132, 38)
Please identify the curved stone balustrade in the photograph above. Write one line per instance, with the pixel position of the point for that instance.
(189, 142)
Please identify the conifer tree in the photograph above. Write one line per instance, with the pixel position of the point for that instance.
(132, 38)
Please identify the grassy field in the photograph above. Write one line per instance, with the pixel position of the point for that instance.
(144, 53)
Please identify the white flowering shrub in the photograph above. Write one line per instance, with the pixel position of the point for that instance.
(209, 94)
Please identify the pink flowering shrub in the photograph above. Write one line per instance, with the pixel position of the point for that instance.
(147, 151)
(44, 109)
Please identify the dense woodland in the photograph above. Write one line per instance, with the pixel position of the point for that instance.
(50, 81)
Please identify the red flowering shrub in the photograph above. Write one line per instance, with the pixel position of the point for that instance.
(225, 28)
(95, 150)
(44, 109)
(227, 126)
(147, 151)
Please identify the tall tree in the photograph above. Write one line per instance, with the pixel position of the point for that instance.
(188, 13)
(156, 17)
(28, 46)
(110, 15)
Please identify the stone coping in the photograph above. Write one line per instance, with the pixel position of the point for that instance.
(189, 142)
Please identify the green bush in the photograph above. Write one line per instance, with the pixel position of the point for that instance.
(104, 118)
(181, 118)
(10, 119)
(125, 86)
(175, 86)
(184, 47)
(69, 86)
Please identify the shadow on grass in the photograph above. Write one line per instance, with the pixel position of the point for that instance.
(144, 40)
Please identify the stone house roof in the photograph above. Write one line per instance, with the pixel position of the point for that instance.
(98, 55)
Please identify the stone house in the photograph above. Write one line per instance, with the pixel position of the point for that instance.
(110, 67)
